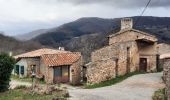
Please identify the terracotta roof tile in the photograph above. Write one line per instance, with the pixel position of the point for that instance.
(39, 52)
(60, 59)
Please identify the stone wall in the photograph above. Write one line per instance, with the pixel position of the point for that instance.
(101, 71)
(75, 71)
(119, 51)
(128, 60)
(30, 62)
(166, 65)
(163, 48)
(166, 75)
(105, 53)
(168, 84)
(130, 35)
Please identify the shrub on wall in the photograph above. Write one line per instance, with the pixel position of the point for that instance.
(6, 66)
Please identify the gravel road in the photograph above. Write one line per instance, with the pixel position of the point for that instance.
(138, 87)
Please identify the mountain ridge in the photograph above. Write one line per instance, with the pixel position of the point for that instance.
(88, 34)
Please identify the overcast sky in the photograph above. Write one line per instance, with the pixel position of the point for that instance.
(23, 16)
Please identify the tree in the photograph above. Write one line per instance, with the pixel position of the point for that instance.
(6, 66)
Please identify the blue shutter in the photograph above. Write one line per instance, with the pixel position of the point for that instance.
(22, 70)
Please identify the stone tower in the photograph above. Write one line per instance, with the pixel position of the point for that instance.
(126, 23)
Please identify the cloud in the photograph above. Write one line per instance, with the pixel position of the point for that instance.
(114, 3)
(21, 16)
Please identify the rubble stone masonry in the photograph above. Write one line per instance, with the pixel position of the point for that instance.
(168, 84)
(129, 50)
(166, 76)
(101, 71)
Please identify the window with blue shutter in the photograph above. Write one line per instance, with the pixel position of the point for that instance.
(22, 70)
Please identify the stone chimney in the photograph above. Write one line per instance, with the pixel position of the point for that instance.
(61, 48)
(126, 23)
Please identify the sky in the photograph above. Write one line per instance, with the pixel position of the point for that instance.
(23, 16)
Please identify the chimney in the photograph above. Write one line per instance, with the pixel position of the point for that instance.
(126, 23)
(61, 48)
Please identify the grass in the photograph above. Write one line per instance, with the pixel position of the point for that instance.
(25, 79)
(22, 94)
(112, 81)
(159, 94)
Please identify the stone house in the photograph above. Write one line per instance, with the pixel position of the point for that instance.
(129, 50)
(54, 66)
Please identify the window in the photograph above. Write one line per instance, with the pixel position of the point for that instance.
(17, 69)
(22, 70)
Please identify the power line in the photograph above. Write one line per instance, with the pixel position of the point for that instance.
(143, 11)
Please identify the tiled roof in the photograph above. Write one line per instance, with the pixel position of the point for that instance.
(39, 52)
(60, 59)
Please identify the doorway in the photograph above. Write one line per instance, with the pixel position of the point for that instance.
(128, 60)
(143, 64)
(61, 74)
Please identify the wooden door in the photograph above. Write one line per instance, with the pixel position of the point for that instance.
(61, 74)
(65, 74)
(57, 74)
(143, 64)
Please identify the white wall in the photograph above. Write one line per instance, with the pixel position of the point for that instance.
(23, 62)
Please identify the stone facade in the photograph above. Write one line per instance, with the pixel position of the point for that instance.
(130, 35)
(166, 75)
(166, 64)
(168, 84)
(134, 51)
(75, 71)
(96, 75)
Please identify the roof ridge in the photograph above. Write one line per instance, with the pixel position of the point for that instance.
(125, 30)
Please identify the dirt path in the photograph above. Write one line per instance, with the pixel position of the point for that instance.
(138, 87)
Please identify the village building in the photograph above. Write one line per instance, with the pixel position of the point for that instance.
(54, 66)
(129, 50)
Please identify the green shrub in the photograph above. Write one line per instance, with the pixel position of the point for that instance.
(6, 67)
(159, 95)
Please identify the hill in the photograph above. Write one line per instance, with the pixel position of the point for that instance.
(88, 34)
(30, 35)
(9, 44)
